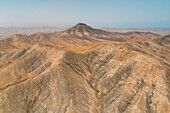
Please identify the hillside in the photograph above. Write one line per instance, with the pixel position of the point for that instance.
(85, 70)
(164, 41)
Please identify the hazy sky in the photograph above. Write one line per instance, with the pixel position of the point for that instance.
(99, 13)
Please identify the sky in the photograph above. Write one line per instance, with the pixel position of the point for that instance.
(98, 13)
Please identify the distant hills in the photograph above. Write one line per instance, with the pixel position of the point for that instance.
(5, 32)
(78, 35)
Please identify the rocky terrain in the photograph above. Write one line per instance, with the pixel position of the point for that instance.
(85, 70)
(164, 41)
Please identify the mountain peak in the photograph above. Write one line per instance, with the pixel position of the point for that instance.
(81, 24)
(83, 30)
(79, 29)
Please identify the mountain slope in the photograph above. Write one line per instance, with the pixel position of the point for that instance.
(107, 78)
(44, 73)
(164, 41)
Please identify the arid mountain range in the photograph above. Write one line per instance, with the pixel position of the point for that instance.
(5, 32)
(85, 70)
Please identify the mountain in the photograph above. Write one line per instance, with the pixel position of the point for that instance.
(84, 70)
(80, 34)
(85, 32)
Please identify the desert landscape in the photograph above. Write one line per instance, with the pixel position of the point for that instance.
(84, 56)
(85, 70)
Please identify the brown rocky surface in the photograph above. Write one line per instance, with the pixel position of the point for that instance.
(52, 73)
(164, 41)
